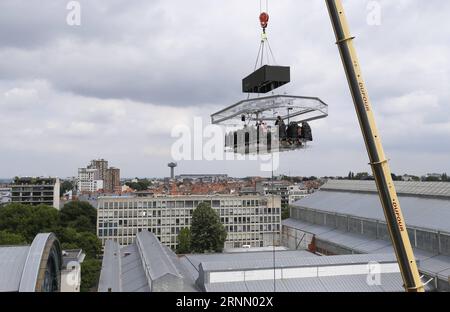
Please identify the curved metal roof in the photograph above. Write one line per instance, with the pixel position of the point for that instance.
(33, 262)
(20, 266)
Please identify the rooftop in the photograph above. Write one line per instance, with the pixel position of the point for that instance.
(70, 255)
(140, 267)
(162, 196)
(361, 200)
(422, 189)
(347, 217)
(147, 265)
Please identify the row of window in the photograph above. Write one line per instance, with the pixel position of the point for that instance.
(179, 204)
(185, 221)
(184, 212)
(103, 231)
(233, 240)
(172, 239)
(253, 228)
(239, 244)
(239, 229)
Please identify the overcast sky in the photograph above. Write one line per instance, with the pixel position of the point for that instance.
(115, 86)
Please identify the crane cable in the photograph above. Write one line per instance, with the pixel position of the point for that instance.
(264, 22)
(274, 230)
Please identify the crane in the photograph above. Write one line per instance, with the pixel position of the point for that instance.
(380, 166)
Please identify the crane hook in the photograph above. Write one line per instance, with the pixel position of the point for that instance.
(264, 20)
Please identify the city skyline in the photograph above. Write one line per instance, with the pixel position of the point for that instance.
(262, 175)
(66, 99)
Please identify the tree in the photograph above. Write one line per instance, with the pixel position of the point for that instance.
(184, 241)
(208, 234)
(285, 212)
(82, 224)
(90, 274)
(79, 215)
(363, 176)
(66, 235)
(140, 185)
(90, 244)
(28, 220)
(8, 238)
(72, 239)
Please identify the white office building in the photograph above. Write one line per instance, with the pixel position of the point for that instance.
(249, 220)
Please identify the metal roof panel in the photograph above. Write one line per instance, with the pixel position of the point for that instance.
(12, 261)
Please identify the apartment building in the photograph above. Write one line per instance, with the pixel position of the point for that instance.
(249, 220)
(112, 180)
(101, 165)
(279, 188)
(88, 181)
(97, 176)
(36, 191)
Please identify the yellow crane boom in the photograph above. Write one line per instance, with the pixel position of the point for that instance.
(380, 166)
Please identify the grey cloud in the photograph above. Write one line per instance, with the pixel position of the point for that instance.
(116, 84)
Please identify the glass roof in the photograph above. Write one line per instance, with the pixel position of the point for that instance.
(294, 108)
